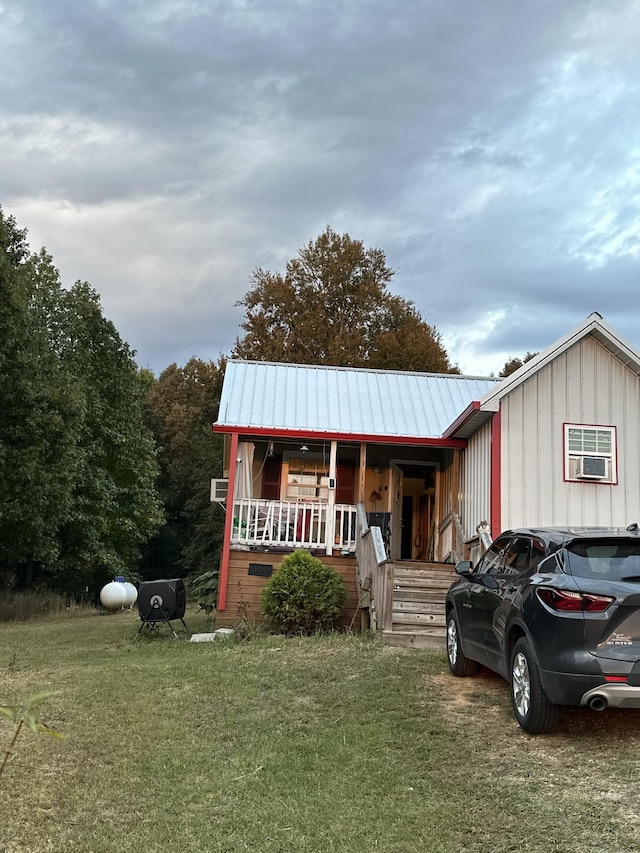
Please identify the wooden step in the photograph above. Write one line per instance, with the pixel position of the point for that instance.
(426, 596)
(403, 572)
(419, 583)
(400, 617)
(417, 564)
(434, 639)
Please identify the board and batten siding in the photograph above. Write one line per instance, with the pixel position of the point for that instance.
(244, 590)
(475, 481)
(584, 385)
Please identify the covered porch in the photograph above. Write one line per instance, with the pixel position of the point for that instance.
(303, 493)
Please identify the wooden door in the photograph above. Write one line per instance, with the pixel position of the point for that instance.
(396, 512)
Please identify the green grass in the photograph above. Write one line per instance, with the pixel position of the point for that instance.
(274, 745)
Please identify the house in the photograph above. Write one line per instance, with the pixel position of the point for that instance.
(427, 458)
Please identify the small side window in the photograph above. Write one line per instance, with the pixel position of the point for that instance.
(590, 454)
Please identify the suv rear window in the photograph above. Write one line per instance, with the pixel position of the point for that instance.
(609, 559)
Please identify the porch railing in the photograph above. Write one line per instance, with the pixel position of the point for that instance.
(293, 524)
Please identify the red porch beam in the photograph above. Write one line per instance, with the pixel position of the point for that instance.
(228, 525)
(417, 440)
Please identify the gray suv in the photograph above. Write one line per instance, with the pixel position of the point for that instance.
(555, 611)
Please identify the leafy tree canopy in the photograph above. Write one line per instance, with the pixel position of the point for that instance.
(181, 405)
(332, 306)
(515, 363)
(77, 464)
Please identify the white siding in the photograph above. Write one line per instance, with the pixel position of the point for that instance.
(584, 385)
(475, 481)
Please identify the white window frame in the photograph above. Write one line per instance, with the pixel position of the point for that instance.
(219, 490)
(594, 443)
(309, 479)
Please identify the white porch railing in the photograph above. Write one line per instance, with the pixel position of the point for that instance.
(293, 524)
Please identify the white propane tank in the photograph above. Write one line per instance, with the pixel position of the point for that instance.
(132, 593)
(114, 595)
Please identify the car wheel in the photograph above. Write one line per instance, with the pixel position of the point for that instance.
(534, 713)
(458, 663)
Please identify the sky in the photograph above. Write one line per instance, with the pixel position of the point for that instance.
(164, 150)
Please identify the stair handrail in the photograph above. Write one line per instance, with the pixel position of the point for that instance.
(371, 574)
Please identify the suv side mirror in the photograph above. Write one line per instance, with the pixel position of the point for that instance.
(464, 567)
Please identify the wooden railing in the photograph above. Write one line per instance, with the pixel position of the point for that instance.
(374, 574)
(452, 543)
(294, 524)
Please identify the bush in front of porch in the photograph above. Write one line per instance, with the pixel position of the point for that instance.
(304, 596)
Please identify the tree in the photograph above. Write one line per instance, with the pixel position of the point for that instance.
(116, 504)
(332, 306)
(181, 405)
(38, 413)
(515, 363)
(77, 465)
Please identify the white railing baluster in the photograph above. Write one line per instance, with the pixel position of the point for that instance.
(292, 524)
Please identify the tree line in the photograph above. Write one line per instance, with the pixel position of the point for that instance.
(105, 468)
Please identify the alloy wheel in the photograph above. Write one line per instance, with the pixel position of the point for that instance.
(452, 641)
(521, 684)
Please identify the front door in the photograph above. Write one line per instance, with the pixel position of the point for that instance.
(396, 512)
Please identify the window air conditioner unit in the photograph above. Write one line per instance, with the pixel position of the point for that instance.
(219, 489)
(592, 468)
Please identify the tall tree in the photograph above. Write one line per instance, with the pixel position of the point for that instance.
(77, 465)
(116, 504)
(38, 413)
(181, 406)
(332, 306)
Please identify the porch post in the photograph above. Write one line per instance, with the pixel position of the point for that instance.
(228, 525)
(455, 482)
(330, 526)
(362, 473)
(496, 476)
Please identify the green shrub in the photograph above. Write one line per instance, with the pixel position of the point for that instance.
(303, 596)
(204, 588)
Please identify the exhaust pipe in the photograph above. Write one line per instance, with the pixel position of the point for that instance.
(597, 703)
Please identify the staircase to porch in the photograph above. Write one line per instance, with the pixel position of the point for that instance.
(417, 600)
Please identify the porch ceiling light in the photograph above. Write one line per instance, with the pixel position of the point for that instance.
(304, 448)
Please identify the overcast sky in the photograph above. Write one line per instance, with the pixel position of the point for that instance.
(163, 150)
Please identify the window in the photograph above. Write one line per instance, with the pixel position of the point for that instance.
(492, 562)
(590, 453)
(308, 479)
(517, 557)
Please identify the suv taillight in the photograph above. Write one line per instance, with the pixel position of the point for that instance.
(567, 600)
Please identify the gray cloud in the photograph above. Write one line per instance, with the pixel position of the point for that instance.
(163, 151)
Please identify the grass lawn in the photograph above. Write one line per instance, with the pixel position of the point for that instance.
(277, 745)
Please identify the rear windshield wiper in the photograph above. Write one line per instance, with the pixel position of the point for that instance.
(635, 578)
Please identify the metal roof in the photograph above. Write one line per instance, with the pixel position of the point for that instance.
(343, 401)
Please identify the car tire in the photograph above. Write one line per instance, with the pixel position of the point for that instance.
(458, 664)
(533, 711)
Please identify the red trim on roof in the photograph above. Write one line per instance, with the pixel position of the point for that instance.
(422, 441)
(461, 420)
(496, 476)
(228, 522)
